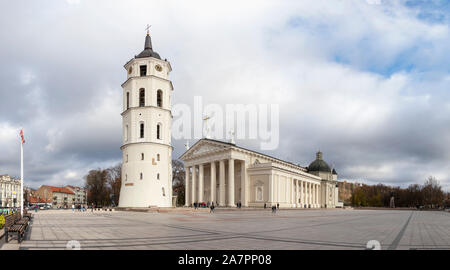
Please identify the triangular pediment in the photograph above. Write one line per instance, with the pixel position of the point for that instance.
(204, 147)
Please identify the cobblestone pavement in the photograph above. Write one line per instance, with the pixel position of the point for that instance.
(256, 230)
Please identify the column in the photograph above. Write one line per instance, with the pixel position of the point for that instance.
(270, 190)
(293, 192)
(302, 197)
(314, 195)
(231, 182)
(213, 182)
(296, 192)
(222, 183)
(309, 194)
(186, 188)
(306, 194)
(194, 177)
(317, 196)
(200, 183)
(244, 200)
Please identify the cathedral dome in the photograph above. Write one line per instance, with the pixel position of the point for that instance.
(319, 165)
(148, 50)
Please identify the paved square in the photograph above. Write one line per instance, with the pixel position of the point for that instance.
(255, 230)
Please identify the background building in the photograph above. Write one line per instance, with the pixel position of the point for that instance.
(58, 196)
(9, 191)
(80, 194)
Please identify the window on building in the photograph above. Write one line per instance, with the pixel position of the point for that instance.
(143, 70)
(163, 192)
(141, 133)
(126, 177)
(158, 131)
(159, 98)
(141, 97)
(157, 176)
(157, 157)
(142, 156)
(128, 100)
(142, 176)
(127, 158)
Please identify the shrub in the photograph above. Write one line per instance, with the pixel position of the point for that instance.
(2, 221)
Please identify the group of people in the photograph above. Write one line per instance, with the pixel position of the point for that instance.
(274, 207)
(78, 207)
(238, 205)
(211, 206)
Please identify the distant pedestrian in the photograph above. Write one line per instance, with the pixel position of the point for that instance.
(274, 209)
(278, 206)
(73, 207)
(265, 206)
(92, 207)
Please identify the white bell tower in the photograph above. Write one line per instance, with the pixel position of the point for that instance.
(147, 120)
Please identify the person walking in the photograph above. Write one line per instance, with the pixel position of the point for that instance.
(92, 207)
(278, 206)
(73, 207)
(265, 206)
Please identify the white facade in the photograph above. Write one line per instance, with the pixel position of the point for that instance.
(9, 191)
(146, 120)
(226, 174)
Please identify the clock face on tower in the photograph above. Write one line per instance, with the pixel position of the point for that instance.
(158, 68)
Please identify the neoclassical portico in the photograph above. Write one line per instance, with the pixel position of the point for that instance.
(226, 174)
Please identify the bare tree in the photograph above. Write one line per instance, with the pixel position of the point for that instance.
(178, 180)
(432, 191)
(96, 184)
(115, 182)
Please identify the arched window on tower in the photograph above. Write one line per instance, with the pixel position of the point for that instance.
(163, 192)
(142, 156)
(126, 133)
(141, 131)
(157, 157)
(141, 97)
(158, 131)
(128, 100)
(159, 98)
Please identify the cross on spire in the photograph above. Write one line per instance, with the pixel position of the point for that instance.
(148, 28)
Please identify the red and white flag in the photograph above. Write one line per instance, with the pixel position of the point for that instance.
(21, 136)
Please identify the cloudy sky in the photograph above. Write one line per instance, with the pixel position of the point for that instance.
(365, 81)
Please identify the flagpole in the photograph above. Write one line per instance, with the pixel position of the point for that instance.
(21, 178)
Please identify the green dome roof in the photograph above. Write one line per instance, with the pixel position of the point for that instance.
(319, 165)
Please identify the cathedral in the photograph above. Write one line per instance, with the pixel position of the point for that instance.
(216, 172)
(227, 174)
